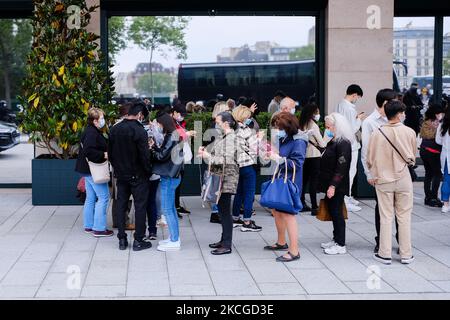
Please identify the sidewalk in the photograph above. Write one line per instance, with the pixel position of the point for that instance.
(41, 246)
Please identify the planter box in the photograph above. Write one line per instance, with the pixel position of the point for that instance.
(54, 182)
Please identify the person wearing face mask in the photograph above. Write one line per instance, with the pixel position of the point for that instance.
(311, 170)
(392, 149)
(247, 160)
(374, 121)
(430, 153)
(287, 105)
(223, 157)
(291, 154)
(168, 162)
(334, 178)
(347, 108)
(178, 114)
(130, 157)
(94, 147)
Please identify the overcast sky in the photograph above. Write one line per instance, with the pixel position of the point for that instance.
(206, 36)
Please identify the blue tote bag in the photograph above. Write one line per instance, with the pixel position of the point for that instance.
(281, 194)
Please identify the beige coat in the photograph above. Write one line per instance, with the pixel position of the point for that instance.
(316, 138)
(385, 164)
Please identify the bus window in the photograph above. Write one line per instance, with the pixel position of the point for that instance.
(265, 75)
(204, 78)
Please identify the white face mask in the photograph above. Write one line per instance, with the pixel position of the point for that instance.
(293, 111)
(316, 117)
(402, 118)
(439, 116)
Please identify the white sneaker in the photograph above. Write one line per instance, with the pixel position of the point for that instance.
(327, 245)
(408, 260)
(164, 241)
(445, 209)
(170, 246)
(353, 201)
(352, 208)
(336, 249)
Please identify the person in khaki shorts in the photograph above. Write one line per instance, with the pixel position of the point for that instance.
(392, 149)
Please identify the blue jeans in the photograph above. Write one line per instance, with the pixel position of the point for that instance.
(245, 192)
(96, 204)
(168, 187)
(445, 189)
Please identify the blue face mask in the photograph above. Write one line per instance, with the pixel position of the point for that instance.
(248, 122)
(101, 123)
(329, 133)
(281, 134)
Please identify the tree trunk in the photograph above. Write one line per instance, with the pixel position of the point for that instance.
(7, 88)
(151, 77)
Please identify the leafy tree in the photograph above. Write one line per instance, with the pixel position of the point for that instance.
(305, 52)
(161, 34)
(446, 71)
(65, 76)
(15, 44)
(116, 36)
(162, 83)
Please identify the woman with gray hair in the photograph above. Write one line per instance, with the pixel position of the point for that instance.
(334, 178)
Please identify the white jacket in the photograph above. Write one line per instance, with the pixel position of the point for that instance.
(444, 141)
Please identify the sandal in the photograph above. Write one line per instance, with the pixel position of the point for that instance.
(277, 247)
(292, 258)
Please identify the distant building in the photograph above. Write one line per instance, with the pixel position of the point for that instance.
(260, 51)
(312, 36)
(415, 47)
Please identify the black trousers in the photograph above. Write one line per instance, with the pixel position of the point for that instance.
(335, 208)
(152, 210)
(177, 191)
(139, 188)
(311, 171)
(226, 220)
(433, 174)
(377, 223)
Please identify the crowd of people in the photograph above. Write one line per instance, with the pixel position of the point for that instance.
(147, 160)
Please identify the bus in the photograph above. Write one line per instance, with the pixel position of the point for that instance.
(259, 80)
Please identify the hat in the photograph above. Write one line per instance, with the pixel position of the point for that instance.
(180, 108)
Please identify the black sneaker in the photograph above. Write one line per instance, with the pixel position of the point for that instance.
(306, 208)
(123, 244)
(141, 245)
(215, 218)
(251, 227)
(179, 215)
(183, 211)
(314, 211)
(152, 236)
(381, 259)
(237, 223)
(435, 203)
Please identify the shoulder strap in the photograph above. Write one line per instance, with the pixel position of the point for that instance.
(395, 148)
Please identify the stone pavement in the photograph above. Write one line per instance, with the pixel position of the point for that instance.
(40, 247)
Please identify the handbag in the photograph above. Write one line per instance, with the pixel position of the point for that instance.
(99, 171)
(324, 213)
(212, 186)
(281, 194)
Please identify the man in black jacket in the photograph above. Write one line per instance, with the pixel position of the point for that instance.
(129, 155)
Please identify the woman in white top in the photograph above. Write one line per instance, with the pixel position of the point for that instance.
(311, 169)
(443, 138)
